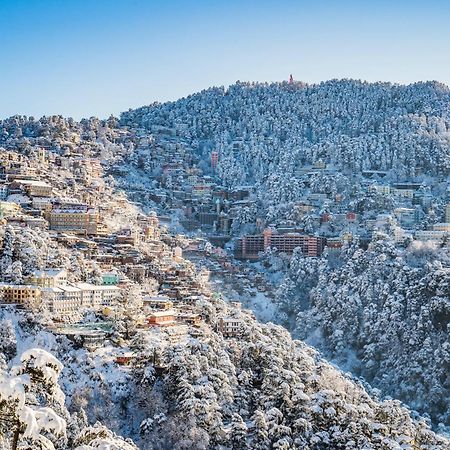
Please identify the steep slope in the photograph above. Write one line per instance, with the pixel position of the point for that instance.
(276, 129)
(261, 390)
(381, 313)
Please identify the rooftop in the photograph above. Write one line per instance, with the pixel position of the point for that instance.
(49, 272)
(167, 312)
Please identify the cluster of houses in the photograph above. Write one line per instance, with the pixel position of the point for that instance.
(33, 194)
(64, 194)
(332, 229)
(184, 186)
(415, 201)
(41, 195)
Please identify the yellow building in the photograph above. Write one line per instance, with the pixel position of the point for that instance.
(20, 294)
(9, 208)
(74, 221)
(383, 189)
(442, 227)
(347, 236)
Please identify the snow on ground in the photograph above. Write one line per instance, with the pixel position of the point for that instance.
(263, 306)
(92, 374)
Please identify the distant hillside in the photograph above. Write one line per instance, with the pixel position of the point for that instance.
(262, 129)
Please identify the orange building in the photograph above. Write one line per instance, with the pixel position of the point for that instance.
(161, 318)
(249, 246)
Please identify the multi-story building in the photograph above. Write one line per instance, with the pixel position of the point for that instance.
(3, 191)
(404, 193)
(48, 278)
(249, 246)
(161, 318)
(95, 296)
(110, 278)
(189, 318)
(447, 213)
(34, 188)
(63, 300)
(77, 219)
(214, 159)
(230, 326)
(408, 186)
(383, 189)
(151, 227)
(202, 190)
(68, 299)
(207, 218)
(25, 295)
(334, 243)
(157, 303)
(431, 235)
(400, 234)
(442, 227)
(90, 296)
(42, 203)
(406, 216)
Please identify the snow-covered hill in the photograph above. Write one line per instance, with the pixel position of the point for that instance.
(261, 390)
(278, 127)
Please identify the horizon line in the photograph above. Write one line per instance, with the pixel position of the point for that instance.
(226, 87)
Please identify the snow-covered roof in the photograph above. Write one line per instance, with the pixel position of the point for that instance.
(93, 287)
(156, 299)
(167, 312)
(33, 183)
(54, 290)
(69, 289)
(18, 286)
(49, 272)
(230, 319)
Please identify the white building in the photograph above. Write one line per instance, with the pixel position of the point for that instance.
(42, 203)
(230, 326)
(400, 234)
(404, 193)
(94, 296)
(430, 235)
(48, 278)
(68, 299)
(63, 300)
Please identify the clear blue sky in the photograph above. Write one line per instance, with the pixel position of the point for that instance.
(96, 57)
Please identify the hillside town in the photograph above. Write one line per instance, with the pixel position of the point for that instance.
(323, 217)
(141, 257)
(224, 225)
(71, 197)
(133, 276)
